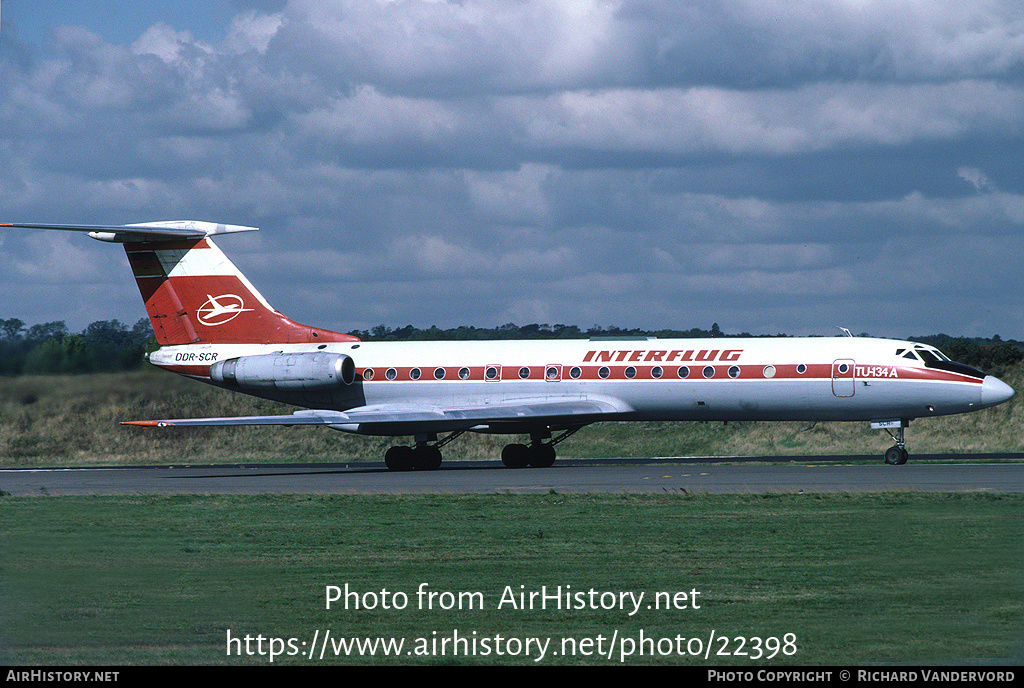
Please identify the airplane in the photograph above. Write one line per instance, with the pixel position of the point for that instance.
(214, 326)
(213, 312)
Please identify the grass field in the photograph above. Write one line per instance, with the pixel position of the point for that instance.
(821, 579)
(73, 420)
(883, 578)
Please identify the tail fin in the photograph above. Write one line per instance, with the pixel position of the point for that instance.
(193, 293)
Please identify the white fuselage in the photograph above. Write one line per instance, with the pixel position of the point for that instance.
(841, 378)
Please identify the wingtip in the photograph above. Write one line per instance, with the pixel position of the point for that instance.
(147, 423)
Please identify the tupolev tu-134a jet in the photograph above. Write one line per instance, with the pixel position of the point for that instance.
(213, 325)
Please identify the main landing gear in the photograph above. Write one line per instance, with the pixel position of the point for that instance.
(539, 454)
(422, 457)
(426, 455)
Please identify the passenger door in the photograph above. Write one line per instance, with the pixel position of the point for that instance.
(843, 383)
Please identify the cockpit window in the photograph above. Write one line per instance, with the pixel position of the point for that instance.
(928, 354)
(933, 358)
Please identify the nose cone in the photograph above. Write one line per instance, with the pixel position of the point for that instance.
(994, 391)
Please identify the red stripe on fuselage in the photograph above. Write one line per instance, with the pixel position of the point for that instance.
(822, 371)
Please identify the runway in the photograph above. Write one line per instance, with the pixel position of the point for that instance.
(991, 473)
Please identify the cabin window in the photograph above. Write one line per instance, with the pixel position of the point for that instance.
(524, 372)
(368, 374)
(734, 372)
(709, 372)
(391, 374)
(415, 374)
(631, 372)
(463, 373)
(657, 372)
(438, 373)
(491, 373)
(683, 372)
(604, 372)
(575, 372)
(801, 369)
(769, 371)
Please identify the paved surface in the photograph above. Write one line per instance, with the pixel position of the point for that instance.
(751, 475)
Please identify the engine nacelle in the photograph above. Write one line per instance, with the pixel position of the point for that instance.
(294, 372)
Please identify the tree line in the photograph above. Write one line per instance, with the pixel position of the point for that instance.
(103, 346)
(991, 354)
(109, 345)
(383, 333)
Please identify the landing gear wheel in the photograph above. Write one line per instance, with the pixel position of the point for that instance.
(516, 456)
(426, 458)
(542, 455)
(896, 456)
(400, 458)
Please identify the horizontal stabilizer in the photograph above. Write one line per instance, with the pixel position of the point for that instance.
(172, 230)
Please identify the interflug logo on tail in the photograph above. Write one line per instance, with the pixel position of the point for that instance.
(221, 309)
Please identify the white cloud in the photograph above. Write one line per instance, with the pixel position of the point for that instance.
(516, 197)
(253, 31)
(367, 116)
(444, 47)
(776, 122)
(172, 47)
(974, 177)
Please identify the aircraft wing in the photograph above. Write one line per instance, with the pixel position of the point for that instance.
(401, 419)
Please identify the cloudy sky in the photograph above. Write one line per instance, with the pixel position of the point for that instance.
(769, 165)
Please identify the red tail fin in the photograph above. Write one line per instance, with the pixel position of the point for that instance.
(194, 294)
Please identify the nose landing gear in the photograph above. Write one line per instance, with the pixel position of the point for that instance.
(896, 455)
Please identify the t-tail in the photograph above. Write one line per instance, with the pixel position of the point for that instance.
(193, 293)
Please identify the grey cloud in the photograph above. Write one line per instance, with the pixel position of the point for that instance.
(757, 44)
(759, 164)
